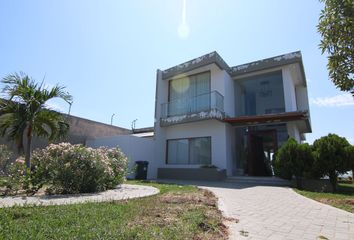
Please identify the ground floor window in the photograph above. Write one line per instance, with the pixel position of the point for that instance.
(189, 151)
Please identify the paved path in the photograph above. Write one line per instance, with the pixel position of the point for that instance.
(266, 212)
(124, 191)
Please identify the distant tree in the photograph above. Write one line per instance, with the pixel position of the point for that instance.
(331, 157)
(350, 157)
(336, 26)
(24, 112)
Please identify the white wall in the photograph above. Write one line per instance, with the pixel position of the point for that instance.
(208, 128)
(293, 131)
(302, 98)
(221, 140)
(289, 90)
(229, 95)
(135, 148)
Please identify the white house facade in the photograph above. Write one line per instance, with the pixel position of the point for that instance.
(213, 121)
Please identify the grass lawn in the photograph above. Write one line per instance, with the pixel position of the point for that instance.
(343, 198)
(178, 212)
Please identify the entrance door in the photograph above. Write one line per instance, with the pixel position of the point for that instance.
(262, 145)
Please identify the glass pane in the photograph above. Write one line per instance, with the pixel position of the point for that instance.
(203, 83)
(177, 151)
(261, 94)
(189, 94)
(200, 151)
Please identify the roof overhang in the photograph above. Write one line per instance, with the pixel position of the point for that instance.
(204, 60)
(300, 116)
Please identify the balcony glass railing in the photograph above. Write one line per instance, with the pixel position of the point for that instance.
(199, 103)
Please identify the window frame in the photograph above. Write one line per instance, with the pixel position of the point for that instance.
(188, 139)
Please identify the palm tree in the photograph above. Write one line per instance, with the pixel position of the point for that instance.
(24, 111)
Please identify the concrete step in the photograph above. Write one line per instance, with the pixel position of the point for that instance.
(261, 181)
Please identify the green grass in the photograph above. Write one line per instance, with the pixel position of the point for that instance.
(343, 198)
(178, 212)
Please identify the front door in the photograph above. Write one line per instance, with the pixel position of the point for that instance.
(262, 145)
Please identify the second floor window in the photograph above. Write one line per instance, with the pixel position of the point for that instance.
(189, 94)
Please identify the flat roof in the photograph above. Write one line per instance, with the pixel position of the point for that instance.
(204, 60)
(214, 57)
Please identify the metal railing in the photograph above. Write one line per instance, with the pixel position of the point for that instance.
(199, 103)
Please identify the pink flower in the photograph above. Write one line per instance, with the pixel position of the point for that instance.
(20, 160)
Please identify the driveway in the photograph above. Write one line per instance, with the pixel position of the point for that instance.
(266, 212)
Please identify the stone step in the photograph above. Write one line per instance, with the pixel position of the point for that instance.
(266, 181)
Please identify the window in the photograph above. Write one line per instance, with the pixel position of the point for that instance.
(189, 94)
(189, 151)
(262, 94)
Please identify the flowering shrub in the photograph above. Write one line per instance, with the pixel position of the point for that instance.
(18, 177)
(67, 168)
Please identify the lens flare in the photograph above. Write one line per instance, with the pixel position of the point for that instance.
(183, 29)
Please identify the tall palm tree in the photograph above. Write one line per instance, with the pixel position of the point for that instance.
(24, 111)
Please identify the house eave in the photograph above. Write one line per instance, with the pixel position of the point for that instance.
(268, 118)
(204, 60)
(269, 63)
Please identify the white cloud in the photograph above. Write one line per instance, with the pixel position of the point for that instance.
(340, 100)
(56, 106)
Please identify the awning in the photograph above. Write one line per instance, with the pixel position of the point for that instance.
(267, 118)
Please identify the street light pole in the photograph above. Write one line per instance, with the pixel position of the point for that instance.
(133, 124)
(70, 103)
(112, 118)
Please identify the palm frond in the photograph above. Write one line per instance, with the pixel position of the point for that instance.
(50, 124)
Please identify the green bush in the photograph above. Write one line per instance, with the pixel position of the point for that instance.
(67, 168)
(293, 159)
(283, 160)
(5, 157)
(332, 157)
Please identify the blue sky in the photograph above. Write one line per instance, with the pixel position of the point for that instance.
(107, 52)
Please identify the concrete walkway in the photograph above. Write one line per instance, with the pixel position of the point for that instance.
(266, 212)
(122, 192)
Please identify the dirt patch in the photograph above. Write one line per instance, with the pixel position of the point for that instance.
(349, 202)
(196, 210)
(203, 198)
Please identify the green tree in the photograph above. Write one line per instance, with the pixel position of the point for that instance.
(331, 157)
(284, 159)
(336, 26)
(24, 112)
(293, 159)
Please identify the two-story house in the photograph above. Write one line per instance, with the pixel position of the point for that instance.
(213, 121)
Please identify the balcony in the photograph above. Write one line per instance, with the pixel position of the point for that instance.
(200, 107)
